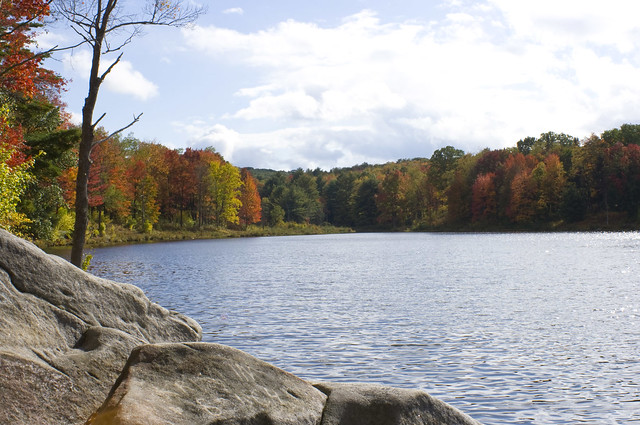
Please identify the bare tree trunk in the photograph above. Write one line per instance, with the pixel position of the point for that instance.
(84, 153)
(82, 208)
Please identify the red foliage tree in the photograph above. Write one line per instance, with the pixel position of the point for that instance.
(484, 205)
(22, 75)
(21, 69)
(181, 185)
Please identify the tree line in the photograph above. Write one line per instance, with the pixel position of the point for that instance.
(543, 182)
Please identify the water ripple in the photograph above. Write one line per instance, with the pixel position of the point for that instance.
(517, 328)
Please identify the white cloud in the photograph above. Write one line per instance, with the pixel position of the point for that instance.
(487, 74)
(233, 11)
(613, 23)
(126, 80)
(282, 149)
(76, 118)
(47, 40)
(123, 78)
(202, 135)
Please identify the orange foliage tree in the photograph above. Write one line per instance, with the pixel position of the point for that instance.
(22, 75)
(484, 205)
(251, 210)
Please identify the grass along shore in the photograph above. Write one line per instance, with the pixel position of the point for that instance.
(113, 234)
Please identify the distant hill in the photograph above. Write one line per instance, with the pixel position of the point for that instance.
(262, 174)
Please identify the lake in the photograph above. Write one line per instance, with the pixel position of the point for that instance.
(510, 328)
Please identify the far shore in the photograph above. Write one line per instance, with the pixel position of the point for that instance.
(117, 235)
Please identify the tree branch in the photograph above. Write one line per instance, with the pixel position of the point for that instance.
(38, 55)
(30, 58)
(95, 124)
(104, 74)
(135, 120)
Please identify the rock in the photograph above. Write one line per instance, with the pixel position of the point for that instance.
(365, 404)
(200, 383)
(65, 335)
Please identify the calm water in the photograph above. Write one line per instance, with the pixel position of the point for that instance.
(510, 328)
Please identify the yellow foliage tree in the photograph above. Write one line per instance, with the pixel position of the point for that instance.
(13, 183)
(225, 192)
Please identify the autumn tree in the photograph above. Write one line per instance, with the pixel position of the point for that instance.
(524, 197)
(13, 183)
(112, 157)
(484, 206)
(199, 161)
(180, 185)
(225, 192)
(105, 26)
(250, 210)
(459, 191)
(551, 186)
(390, 199)
(30, 117)
(21, 69)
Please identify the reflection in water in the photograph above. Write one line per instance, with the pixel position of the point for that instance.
(518, 328)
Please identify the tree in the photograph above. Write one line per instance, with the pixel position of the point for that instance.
(30, 114)
(181, 182)
(484, 206)
(272, 213)
(21, 69)
(250, 210)
(525, 145)
(106, 27)
(626, 134)
(304, 198)
(391, 198)
(459, 191)
(199, 162)
(443, 163)
(366, 211)
(13, 183)
(552, 186)
(119, 192)
(23, 79)
(339, 200)
(225, 192)
(524, 196)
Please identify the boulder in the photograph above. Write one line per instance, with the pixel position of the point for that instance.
(65, 335)
(200, 383)
(366, 404)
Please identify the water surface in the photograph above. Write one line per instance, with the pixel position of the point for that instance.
(510, 328)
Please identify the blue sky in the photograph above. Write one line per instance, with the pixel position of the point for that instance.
(280, 84)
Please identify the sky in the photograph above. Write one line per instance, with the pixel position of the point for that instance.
(335, 83)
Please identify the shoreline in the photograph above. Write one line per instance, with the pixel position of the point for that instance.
(119, 236)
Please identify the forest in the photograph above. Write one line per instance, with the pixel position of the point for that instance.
(553, 181)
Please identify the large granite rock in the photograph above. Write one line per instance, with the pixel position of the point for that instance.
(200, 383)
(366, 404)
(65, 335)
